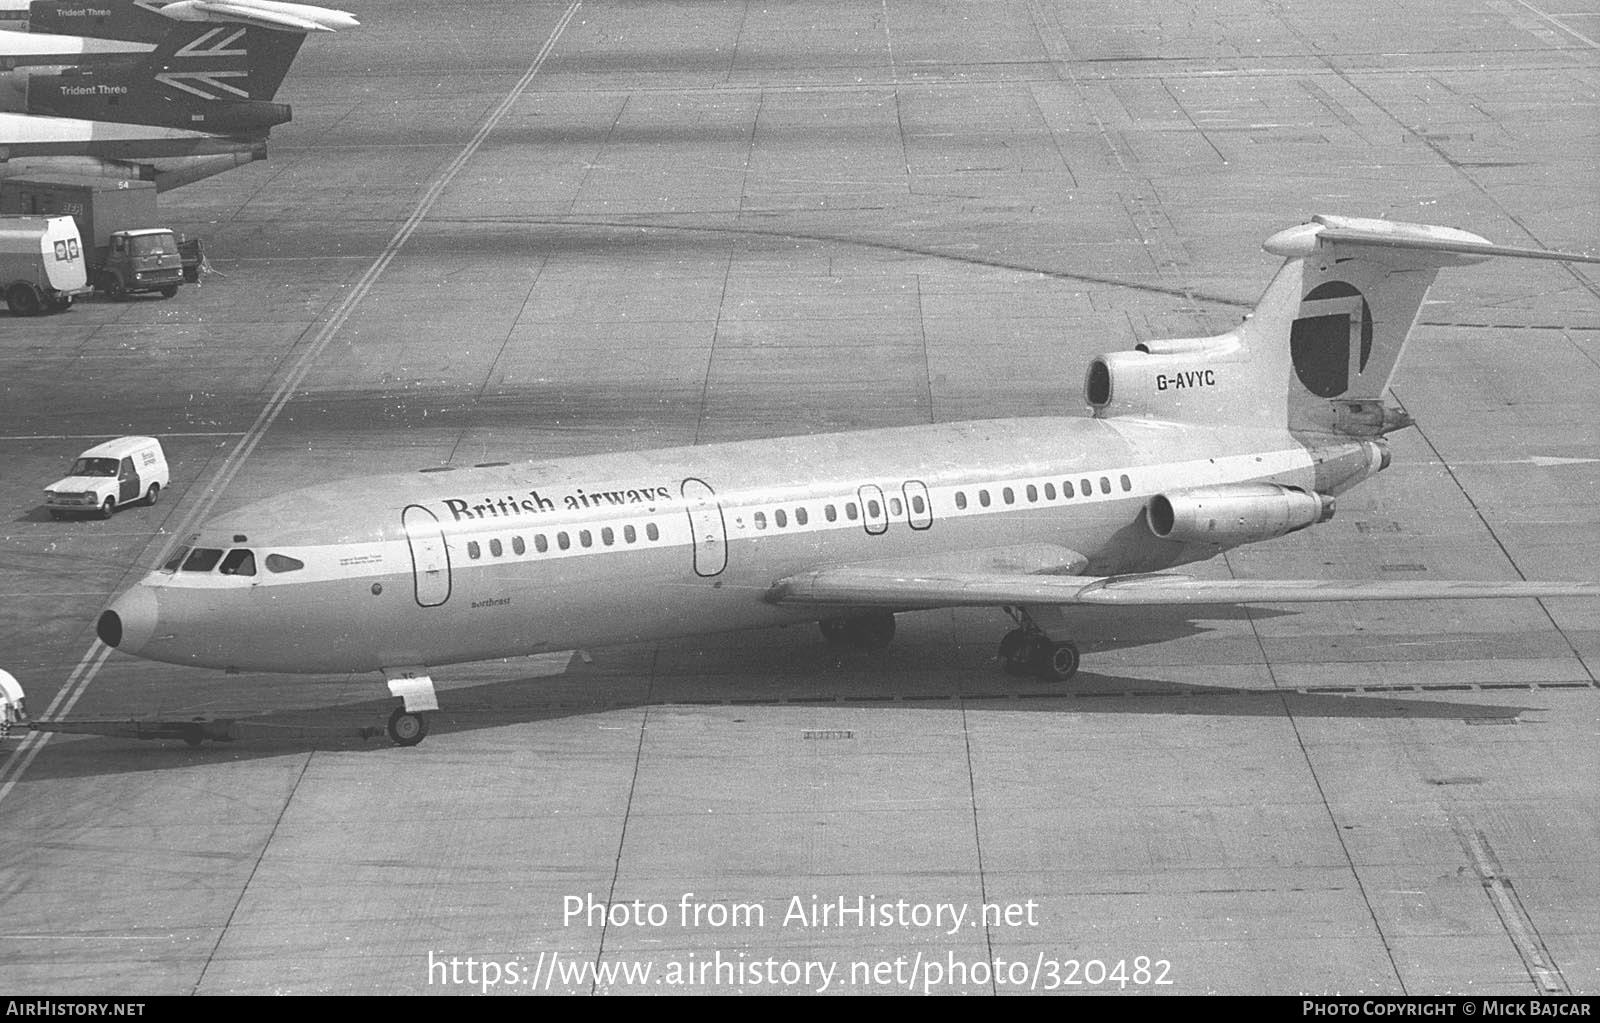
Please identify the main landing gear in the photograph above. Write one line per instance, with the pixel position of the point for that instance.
(1026, 650)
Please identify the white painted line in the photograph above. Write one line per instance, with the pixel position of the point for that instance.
(1574, 33)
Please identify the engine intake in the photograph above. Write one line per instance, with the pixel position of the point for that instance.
(1236, 514)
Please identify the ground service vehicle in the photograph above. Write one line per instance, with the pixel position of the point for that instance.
(122, 471)
(42, 265)
(124, 253)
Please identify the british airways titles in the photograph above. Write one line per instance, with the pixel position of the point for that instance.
(514, 506)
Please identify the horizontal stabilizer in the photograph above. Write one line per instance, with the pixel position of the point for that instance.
(878, 586)
(262, 14)
(1343, 232)
(33, 49)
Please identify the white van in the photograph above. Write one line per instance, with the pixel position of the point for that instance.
(118, 472)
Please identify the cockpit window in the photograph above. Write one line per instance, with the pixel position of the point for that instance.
(239, 562)
(283, 563)
(94, 467)
(202, 559)
(176, 560)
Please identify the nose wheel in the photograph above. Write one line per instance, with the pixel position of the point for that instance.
(407, 728)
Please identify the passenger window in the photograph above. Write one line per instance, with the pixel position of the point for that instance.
(1008, 495)
(800, 516)
(1086, 488)
(872, 509)
(607, 537)
(1105, 485)
(176, 560)
(284, 563)
(585, 538)
(761, 520)
(1127, 484)
(780, 518)
(651, 531)
(540, 544)
(983, 498)
(1033, 493)
(895, 508)
(917, 503)
(473, 550)
(202, 559)
(830, 514)
(850, 510)
(629, 534)
(517, 546)
(495, 548)
(1049, 491)
(961, 499)
(239, 562)
(563, 541)
(1066, 488)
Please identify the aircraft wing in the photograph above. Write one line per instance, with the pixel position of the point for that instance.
(904, 587)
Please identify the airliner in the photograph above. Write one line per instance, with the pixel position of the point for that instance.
(1191, 447)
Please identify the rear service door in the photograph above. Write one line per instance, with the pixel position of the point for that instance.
(430, 558)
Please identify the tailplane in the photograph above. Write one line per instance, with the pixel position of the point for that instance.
(1322, 343)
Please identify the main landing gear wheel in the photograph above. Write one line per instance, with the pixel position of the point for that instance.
(1027, 651)
(871, 631)
(406, 728)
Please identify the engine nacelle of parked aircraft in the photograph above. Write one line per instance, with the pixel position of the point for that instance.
(1237, 514)
(1191, 379)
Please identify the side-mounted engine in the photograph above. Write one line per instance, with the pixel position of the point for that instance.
(1235, 514)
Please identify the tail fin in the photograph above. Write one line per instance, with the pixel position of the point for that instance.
(1318, 351)
(1362, 285)
(224, 62)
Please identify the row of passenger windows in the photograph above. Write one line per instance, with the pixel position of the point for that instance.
(563, 540)
(239, 561)
(780, 516)
(1085, 488)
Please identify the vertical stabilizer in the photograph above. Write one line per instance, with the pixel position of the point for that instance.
(1362, 286)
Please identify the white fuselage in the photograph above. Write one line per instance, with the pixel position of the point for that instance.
(446, 566)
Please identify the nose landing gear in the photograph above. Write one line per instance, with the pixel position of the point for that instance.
(407, 728)
(414, 687)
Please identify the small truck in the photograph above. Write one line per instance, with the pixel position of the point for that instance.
(42, 264)
(124, 255)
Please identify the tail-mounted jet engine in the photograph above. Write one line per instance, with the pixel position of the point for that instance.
(1237, 514)
(1189, 379)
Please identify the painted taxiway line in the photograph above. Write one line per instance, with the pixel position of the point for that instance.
(89, 665)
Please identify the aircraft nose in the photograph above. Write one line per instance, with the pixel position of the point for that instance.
(130, 621)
